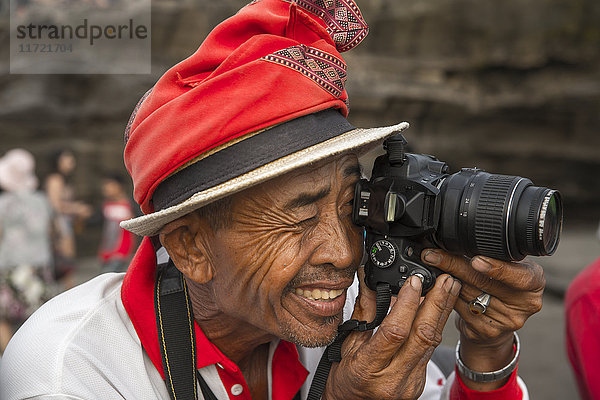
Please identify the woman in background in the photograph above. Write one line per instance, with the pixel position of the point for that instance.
(25, 248)
(66, 211)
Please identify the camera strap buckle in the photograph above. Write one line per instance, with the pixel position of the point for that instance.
(353, 325)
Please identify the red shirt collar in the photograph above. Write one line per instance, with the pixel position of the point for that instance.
(137, 296)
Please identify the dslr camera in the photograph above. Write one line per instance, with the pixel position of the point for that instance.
(411, 203)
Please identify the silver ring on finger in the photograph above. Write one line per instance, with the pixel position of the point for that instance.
(480, 304)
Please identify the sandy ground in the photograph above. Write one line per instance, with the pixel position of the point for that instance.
(543, 363)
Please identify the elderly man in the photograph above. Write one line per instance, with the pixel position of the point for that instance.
(245, 166)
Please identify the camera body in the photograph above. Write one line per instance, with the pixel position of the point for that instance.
(411, 203)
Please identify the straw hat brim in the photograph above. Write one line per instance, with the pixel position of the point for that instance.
(361, 139)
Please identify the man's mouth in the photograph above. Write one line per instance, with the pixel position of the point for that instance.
(319, 294)
(324, 300)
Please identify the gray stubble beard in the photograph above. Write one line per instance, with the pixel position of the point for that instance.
(311, 342)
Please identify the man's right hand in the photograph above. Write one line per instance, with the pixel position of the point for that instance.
(392, 362)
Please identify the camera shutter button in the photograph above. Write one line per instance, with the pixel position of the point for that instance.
(420, 276)
(427, 279)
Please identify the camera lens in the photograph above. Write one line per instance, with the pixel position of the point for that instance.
(552, 210)
(543, 222)
(500, 216)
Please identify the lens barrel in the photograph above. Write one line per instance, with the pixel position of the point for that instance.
(500, 216)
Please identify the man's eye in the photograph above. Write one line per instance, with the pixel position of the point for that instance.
(349, 204)
(307, 221)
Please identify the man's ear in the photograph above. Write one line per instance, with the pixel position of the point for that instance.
(185, 241)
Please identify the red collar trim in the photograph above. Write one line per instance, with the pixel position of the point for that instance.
(137, 294)
(287, 372)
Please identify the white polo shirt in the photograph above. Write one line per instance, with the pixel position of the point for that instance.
(86, 344)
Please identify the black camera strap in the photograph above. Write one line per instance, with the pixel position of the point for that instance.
(333, 352)
(176, 336)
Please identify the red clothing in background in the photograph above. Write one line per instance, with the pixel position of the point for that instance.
(117, 243)
(582, 306)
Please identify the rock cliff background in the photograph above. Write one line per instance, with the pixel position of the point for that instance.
(511, 87)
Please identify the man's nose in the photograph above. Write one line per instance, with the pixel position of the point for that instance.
(337, 243)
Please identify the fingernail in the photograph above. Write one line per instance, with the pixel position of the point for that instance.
(455, 287)
(432, 257)
(448, 284)
(415, 282)
(480, 264)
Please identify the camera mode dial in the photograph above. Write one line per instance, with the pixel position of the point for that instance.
(383, 253)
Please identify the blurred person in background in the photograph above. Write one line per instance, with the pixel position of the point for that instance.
(582, 307)
(25, 248)
(66, 212)
(117, 244)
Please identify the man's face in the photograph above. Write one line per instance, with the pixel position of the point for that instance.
(286, 261)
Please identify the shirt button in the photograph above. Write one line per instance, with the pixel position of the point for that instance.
(237, 389)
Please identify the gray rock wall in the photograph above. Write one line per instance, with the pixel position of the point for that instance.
(511, 87)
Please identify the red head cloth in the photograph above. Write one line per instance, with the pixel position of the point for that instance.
(275, 60)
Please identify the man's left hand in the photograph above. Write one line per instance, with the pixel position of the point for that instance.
(516, 290)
